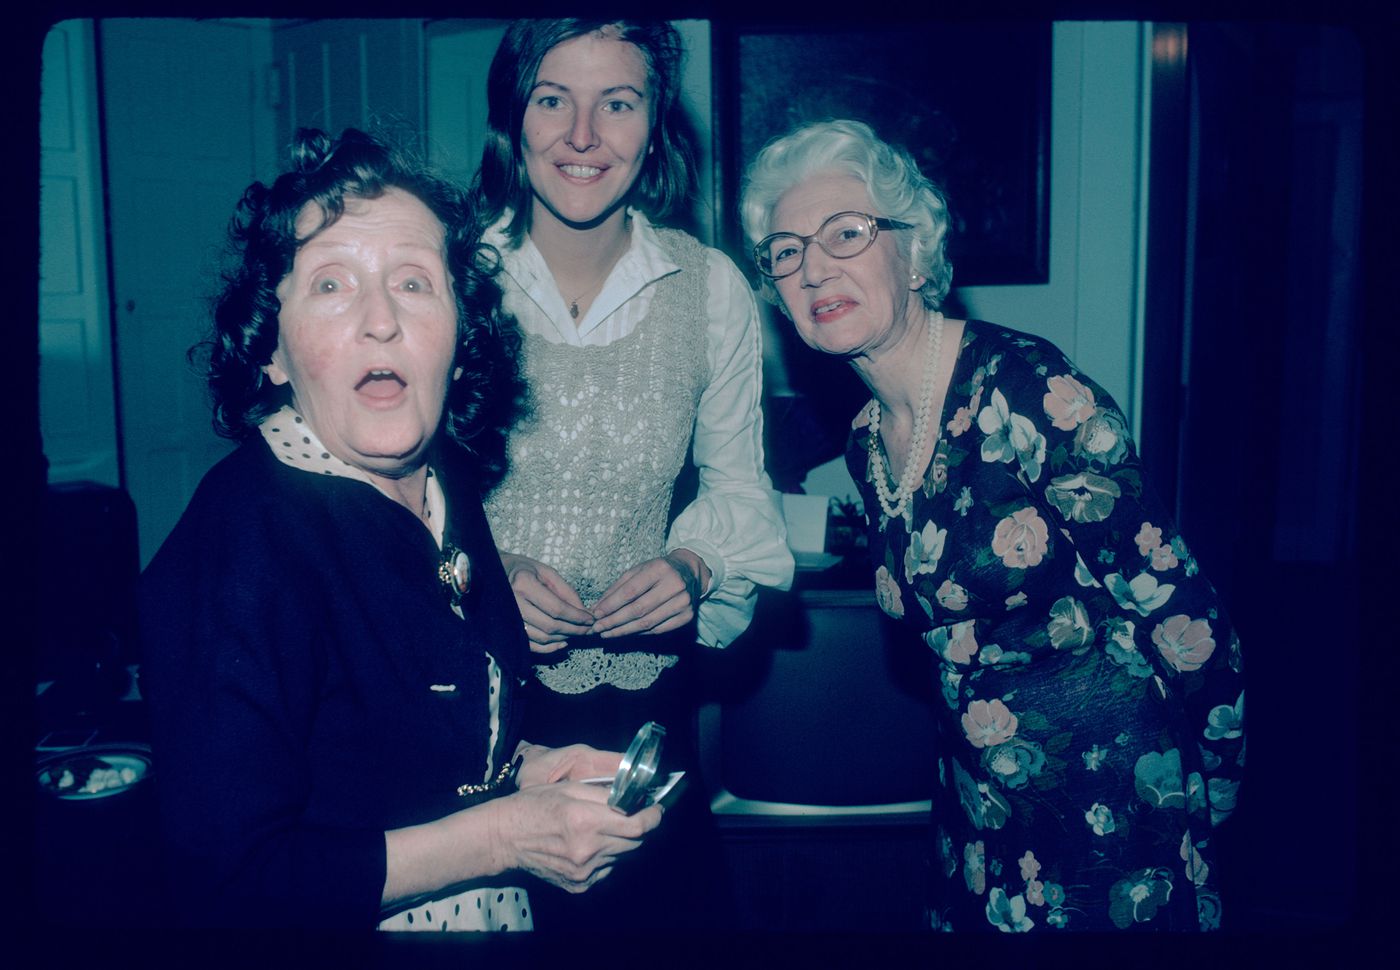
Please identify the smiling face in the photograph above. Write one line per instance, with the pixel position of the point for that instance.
(586, 129)
(367, 331)
(851, 307)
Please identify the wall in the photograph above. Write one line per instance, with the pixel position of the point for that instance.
(1091, 306)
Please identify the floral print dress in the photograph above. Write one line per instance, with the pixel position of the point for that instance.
(1092, 739)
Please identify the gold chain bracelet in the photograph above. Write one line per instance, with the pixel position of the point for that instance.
(505, 775)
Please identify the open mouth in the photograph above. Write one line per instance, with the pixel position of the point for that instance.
(828, 307)
(380, 382)
(581, 171)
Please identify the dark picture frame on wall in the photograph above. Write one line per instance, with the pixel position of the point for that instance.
(970, 101)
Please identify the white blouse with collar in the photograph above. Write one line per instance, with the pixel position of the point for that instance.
(735, 522)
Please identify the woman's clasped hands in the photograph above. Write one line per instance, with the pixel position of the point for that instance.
(655, 596)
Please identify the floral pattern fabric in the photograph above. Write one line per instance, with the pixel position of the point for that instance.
(1094, 731)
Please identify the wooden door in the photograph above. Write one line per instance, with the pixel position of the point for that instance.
(184, 109)
(77, 403)
(365, 74)
(458, 56)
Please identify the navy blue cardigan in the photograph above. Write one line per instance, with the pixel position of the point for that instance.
(310, 687)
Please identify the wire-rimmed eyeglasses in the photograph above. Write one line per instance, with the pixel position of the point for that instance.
(841, 236)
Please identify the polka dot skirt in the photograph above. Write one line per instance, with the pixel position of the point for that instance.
(501, 908)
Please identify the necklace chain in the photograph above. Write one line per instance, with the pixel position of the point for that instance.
(573, 304)
(895, 503)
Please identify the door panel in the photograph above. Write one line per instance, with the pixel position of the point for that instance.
(77, 409)
(183, 108)
(459, 55)
(364, 74)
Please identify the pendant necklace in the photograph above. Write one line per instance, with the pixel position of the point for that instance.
(894, 504)
(573, 304)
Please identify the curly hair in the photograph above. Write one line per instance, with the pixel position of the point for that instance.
(502, 183)
(481, 405)
(897, 188)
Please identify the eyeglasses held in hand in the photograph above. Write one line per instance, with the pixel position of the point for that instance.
(841, 236)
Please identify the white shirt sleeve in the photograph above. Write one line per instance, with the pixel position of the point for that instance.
(736, 522)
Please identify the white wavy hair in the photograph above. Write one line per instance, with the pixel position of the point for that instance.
(898, 190)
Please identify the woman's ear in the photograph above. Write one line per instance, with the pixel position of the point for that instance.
(274, 370)
(916, 281)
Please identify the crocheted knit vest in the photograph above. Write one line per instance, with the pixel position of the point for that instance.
(593, 467)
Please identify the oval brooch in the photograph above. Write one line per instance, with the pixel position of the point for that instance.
(456, 574)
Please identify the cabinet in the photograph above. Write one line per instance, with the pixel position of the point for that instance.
(817, 746)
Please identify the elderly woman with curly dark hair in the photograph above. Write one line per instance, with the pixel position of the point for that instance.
(1092, 730)
(332, 650)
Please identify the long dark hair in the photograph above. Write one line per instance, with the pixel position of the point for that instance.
(480, 405)
(502, 183)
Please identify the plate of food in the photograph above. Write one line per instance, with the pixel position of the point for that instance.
(95, 771)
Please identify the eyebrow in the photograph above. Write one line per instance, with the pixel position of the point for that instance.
(331, 245)
(603, 93)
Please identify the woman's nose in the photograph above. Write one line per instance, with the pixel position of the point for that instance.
(380, 318)
(582, 136)
(817, 266)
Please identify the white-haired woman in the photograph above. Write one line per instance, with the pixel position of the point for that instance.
(1093, 735)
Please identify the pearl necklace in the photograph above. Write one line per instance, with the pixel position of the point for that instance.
(895, 504)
